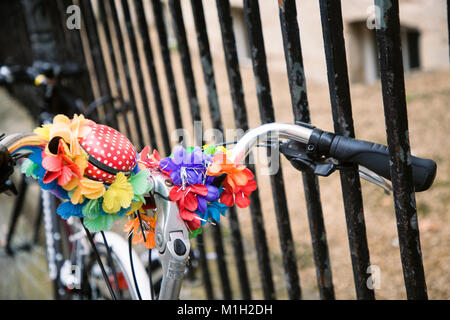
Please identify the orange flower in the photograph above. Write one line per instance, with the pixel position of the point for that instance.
(235, 173)
(148, 226)
(89, 188)
(70, 131)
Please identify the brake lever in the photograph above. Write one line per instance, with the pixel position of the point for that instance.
(297, 154)
(374, 178)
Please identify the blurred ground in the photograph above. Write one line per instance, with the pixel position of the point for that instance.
(428, 96)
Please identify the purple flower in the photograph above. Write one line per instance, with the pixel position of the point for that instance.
(186, 168)
(213, 195)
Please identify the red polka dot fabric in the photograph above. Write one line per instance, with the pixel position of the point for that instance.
(111, 148)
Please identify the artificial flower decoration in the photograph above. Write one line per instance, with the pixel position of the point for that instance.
(149, 161)
(186, 168)
(119, 194)
(69, 130)
(238, 194)
(236, 175)
(213, 211)
(101, 178)
(87, 188)
(142, 229)
(60, 167)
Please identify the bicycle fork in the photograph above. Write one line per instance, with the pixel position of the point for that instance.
(172, 239)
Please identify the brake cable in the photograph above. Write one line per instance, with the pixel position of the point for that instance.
(111, 263)
(149, 255)
(99, 260)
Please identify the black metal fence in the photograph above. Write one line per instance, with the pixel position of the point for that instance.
(120, 67)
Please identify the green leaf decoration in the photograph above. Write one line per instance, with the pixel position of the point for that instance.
(28, 168)
(209, 149)
(189, 150)
(91, 210)
(139, 197)
(195, 233)
(100, 223)
(140, 182)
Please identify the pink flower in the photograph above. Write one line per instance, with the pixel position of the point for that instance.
(59, 167)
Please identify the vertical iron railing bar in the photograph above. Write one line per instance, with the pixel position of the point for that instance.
(97, 54)
(256, 41)
(395, 112)
(127, 72)
(185, 57)
(216, 119)
(13, 19)
(448, 26)
(75, 46)
(240, 117)
(112, 56)
(139, 75)
(183, 47)
(206, 277)
(332, 27)
(173, 95)
(150, 60)
(300, 107)
(57, 30)
(167, 62)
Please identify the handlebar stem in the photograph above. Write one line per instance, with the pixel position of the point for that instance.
(172, 238)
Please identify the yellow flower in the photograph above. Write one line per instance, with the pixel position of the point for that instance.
(43, 132)
(86, 187)
(119, 194)
(135, 206)
(224, 150)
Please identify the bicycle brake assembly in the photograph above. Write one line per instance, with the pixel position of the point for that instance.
(305, 158)
(172, 238)
(301, 159)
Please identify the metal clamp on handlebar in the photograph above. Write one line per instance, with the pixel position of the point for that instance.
(172, 239)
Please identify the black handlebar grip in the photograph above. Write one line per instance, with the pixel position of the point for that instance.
(375, 157)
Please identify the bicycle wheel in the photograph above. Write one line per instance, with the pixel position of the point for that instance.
(122, 264)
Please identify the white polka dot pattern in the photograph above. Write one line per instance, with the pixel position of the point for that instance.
(101, 143)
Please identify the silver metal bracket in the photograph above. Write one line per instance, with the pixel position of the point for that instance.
(172, 238)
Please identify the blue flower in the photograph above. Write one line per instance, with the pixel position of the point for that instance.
(214, 210)
(68, 209)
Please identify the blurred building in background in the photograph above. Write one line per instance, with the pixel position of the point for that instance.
(423, 23)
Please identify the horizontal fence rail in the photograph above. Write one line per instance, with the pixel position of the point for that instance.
(121, 40)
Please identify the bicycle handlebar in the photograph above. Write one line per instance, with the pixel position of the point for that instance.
(321, 144)
(376, 158)
(24, 74)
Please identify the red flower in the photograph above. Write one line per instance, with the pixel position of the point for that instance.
(149, 161)
(238, 194)
(59, 167)
(187, 202)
